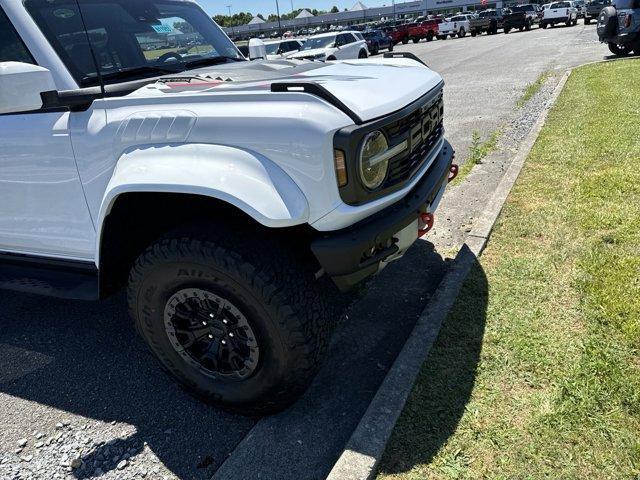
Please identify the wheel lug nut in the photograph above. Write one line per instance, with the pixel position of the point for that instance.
(211, 315)
(225, 321)
(224, 342)
(204, 323)
(231, 334)
(210, 336)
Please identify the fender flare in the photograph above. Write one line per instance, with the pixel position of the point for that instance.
(244, 179)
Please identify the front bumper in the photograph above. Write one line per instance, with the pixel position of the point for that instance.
(352, 254)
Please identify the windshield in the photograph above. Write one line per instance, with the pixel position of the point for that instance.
(272, 48)
(486, 14)
(560, 5)
(319, 42)
(522, 8)
(129, 39)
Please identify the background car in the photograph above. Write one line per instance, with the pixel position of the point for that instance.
(489, 21)
(593, 9)
(560, 12)
(580, 6)
(457, 25)
(424, 29)
(399, 33)
(333, 46)
(377, 40)
(282, 48)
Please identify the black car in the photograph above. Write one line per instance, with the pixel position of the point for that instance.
(377, 40)
(521, 17)
(593, 9)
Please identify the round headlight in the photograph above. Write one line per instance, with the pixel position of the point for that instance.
(373, 167)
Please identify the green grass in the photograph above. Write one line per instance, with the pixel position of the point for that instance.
(532, 89)
(477, 153)
(536, 372)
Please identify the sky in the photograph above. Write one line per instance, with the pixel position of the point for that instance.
(265, 7)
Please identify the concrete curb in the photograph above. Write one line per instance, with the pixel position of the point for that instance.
(364, 449)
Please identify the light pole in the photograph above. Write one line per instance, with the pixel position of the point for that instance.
(233, 30)
(279, 24)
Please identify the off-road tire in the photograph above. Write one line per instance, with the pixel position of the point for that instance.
(277, 293)
(618, 51)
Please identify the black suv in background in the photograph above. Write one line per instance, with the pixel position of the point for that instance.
(521, 17)
(593, 10)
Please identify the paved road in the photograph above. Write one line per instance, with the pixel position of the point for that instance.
(80, 363)
(485, 76)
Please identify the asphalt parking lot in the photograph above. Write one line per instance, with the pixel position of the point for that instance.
(76, 374)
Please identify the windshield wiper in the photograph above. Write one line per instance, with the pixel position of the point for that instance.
(205, 62)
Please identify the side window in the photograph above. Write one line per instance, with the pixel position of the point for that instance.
(349, 38)
(11, 47)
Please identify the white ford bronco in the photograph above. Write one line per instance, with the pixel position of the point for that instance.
(140, 149)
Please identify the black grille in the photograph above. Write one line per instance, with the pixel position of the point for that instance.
(423, 129)
(419, 124)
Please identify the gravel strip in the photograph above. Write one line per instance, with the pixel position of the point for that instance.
(464, 202)
(80, 451)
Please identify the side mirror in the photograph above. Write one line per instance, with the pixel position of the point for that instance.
(257, 49)
(21, 85)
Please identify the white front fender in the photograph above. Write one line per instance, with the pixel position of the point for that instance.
(247, 180)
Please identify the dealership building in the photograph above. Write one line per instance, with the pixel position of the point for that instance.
(359, 13)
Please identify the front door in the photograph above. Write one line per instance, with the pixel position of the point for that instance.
(43, 211)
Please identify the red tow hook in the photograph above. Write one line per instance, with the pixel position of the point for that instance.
(453, 172)
(427, 219)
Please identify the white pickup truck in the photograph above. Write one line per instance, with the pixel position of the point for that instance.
(454, 26)
(140, 150)
(559, 12)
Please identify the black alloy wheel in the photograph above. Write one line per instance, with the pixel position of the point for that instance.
(211, 334)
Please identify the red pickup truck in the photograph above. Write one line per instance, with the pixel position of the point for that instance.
(426, 29)
(399, 33)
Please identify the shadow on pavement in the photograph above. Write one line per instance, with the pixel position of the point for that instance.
(85, 358)
(445, 384)
(304, 442)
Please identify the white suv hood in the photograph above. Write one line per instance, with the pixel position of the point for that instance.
(312, 53)
(371, 88)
